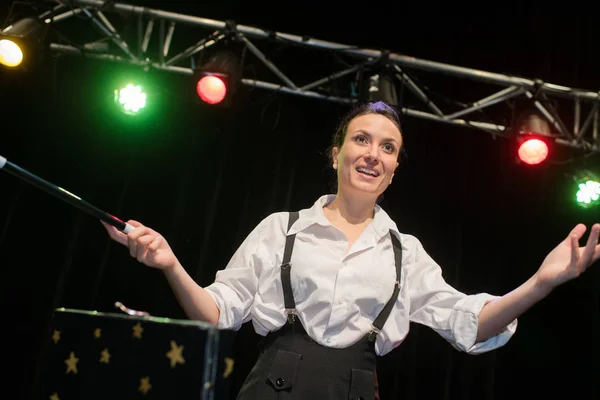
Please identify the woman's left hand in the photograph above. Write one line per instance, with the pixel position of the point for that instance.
(567, 260)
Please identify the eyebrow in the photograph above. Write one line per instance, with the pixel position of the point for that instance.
(388, 139)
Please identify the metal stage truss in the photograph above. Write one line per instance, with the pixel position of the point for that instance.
(141, 36)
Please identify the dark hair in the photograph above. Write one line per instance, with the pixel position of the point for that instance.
(378, 107)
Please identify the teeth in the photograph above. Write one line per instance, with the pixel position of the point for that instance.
(367, 171)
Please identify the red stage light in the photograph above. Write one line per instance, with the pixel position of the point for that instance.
(217, 79)
(211, 89)
(533, 151)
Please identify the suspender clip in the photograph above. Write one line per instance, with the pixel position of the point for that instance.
(291, 316)
(373, 333)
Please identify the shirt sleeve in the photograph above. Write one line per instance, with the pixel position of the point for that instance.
(235, 286)
(451, 313)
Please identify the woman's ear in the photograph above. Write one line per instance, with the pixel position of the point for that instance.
(334, 155)
(392, 177)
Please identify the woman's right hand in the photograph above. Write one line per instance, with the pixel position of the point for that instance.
(145, 244)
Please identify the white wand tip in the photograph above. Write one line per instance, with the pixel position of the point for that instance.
(2, 162)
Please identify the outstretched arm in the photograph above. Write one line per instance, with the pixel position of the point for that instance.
(197, 303)
(565, 262)
(150, 248)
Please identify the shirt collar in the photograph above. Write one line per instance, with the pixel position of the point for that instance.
(381, 224)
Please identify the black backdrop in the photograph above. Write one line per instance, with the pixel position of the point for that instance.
(204, 178)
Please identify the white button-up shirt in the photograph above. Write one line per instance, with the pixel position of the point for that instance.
(339, 291)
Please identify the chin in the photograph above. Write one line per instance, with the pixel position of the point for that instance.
(370, 191)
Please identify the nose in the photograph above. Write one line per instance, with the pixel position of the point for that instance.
(372, 155)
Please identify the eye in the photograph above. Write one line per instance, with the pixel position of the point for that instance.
(360, 139)
(389, 148)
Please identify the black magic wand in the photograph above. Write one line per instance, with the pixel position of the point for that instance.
(63, 195)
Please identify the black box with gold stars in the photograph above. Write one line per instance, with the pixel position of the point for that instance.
(92, 355)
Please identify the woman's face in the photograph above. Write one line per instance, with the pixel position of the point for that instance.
(367, 160)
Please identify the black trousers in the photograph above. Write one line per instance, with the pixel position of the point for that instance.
(292, 366)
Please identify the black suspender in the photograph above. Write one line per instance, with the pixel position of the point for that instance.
(288, 295)
(377, 325)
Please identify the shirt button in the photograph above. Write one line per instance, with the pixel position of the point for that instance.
(279, 382)
(340, 301)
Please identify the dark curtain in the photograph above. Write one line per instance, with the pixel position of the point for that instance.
(205, 177)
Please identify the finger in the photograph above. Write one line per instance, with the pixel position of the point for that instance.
(152, 250)
(132, 244)
(578, 231)
(132, 238)
(588, 251)
(596, 255)
(574, 250)
(146, 239)
(138, 232)
(142, 246)
(137, 224)
(114, 234)
(142, 253)
(134, 223)
(155, 244)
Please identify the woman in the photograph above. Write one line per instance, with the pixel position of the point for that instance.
(335, 285)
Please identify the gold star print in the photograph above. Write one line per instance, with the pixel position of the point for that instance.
(72, 363)
(137, 331)
(145, 385)
(54, 396)
(175, 354)
(228, 367)
(97, 333)
(56, 336)
(104, 356)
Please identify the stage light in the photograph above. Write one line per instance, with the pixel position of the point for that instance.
(381, 87)
(11, 54)
(218, 79)
(533, 139)
(21, 43)
(588, 189)
(532, 150)
(211, 89)
(131, 99)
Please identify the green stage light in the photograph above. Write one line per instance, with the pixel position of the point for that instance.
(588, 193)
(131, 99)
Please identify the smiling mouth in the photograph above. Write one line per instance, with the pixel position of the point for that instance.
(367, 172)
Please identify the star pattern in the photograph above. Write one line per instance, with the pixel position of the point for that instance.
(139, 360)
(137, 331)
(104, 356)
(175, 354)
(72, 363)
(145, 385)
(228, 367)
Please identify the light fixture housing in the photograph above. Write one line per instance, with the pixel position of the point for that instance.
(22, 43)
(217, 80)
(533, 138)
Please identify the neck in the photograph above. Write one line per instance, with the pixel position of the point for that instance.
(353, 210)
